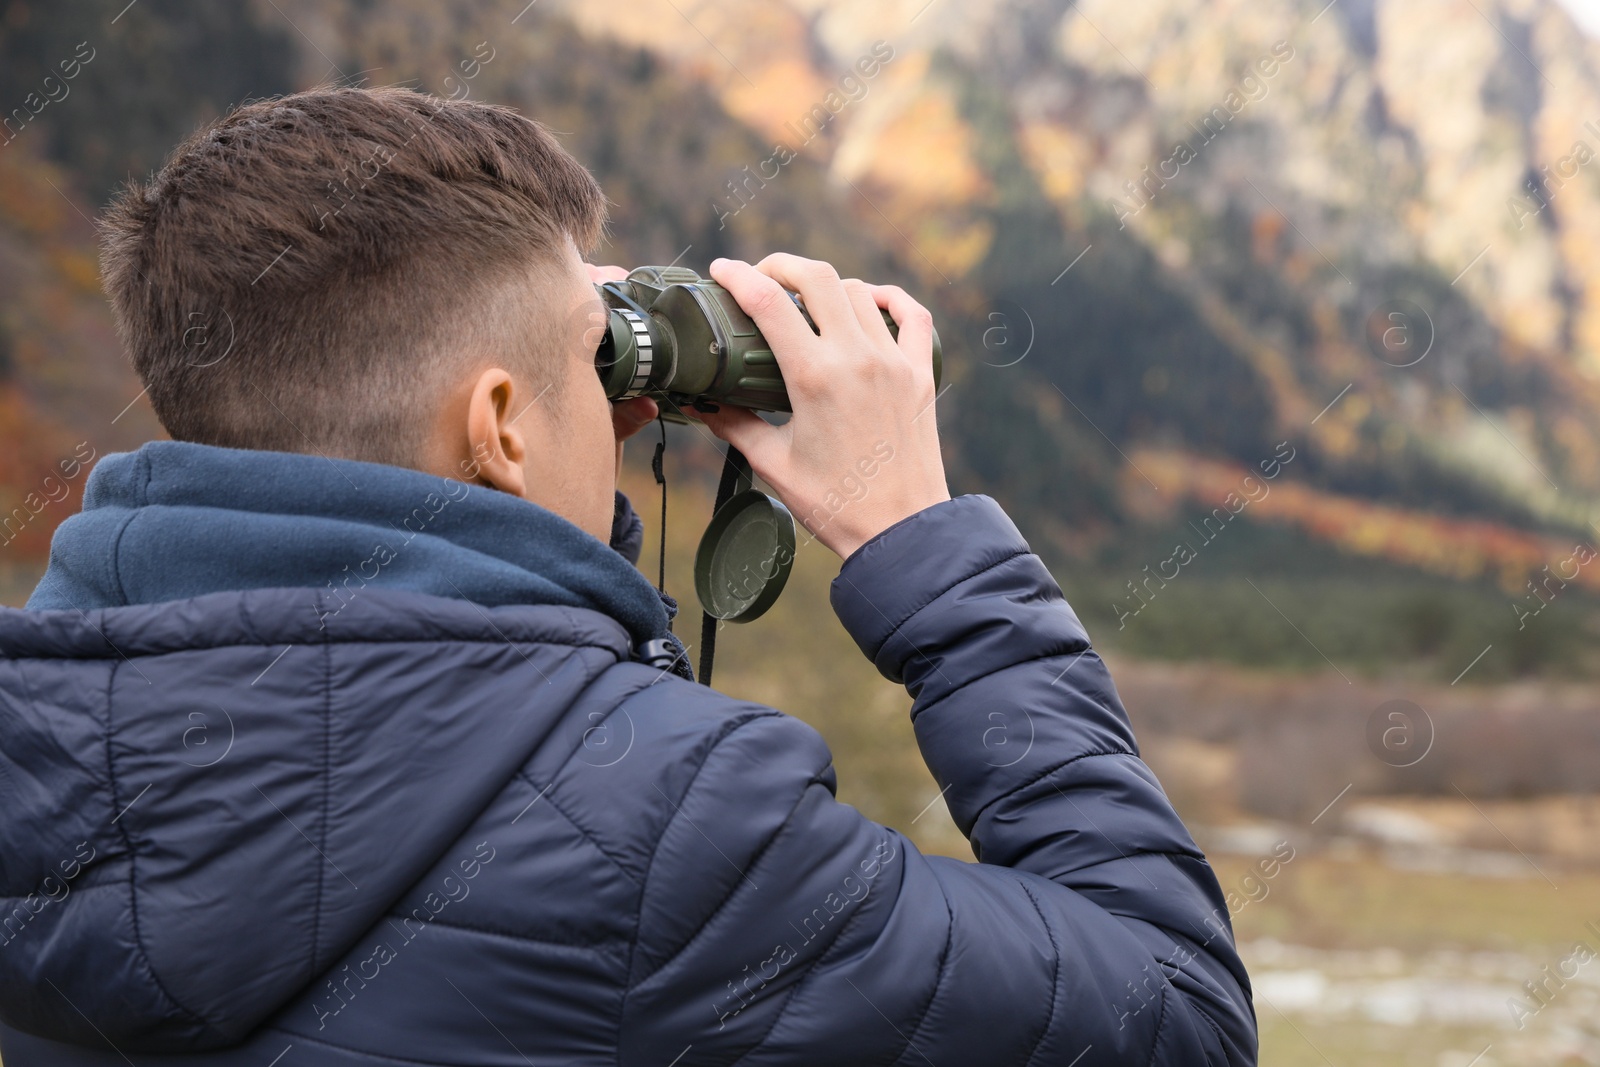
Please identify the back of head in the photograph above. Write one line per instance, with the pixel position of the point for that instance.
(308, 273)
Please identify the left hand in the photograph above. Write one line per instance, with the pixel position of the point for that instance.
(628, 417)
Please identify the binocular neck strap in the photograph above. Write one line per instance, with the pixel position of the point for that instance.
(659, 470)
(736, 476)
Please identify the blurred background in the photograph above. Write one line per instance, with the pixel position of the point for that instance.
(1274, 325)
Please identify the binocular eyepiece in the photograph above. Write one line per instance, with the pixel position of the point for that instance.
(682, 339)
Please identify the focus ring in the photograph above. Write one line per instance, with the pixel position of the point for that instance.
(644, 358)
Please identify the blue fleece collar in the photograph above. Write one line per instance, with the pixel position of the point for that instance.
(175, 520)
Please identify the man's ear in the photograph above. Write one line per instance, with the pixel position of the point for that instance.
(496, 446)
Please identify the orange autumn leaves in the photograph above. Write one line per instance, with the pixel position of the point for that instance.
(1462, 549)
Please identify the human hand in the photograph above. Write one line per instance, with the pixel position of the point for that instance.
(628, 417)
(861, 451)
(606, 274)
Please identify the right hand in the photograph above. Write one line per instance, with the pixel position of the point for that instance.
(861, 451)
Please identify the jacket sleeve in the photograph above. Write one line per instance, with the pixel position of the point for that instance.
(782, 927)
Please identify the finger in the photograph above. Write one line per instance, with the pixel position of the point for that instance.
(914, 320)
(765, 301)
(628, 417)
(605, 274)
(746, 431)
(864, 301)
(818, 285)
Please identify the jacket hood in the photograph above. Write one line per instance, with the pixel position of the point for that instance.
(209, 801)
(221, 763)
(177, 519)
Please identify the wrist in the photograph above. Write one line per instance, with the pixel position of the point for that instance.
(851, 540)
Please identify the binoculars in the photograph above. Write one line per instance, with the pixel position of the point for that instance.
(682, 339)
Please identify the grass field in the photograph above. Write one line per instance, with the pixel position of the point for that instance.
(1355, 963)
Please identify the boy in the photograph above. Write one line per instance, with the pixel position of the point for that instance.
(325, 738)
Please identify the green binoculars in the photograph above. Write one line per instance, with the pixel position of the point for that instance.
(683, 339)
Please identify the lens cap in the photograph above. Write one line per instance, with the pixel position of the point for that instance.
(745, 557)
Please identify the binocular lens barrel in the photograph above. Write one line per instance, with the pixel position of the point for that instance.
(682, 338)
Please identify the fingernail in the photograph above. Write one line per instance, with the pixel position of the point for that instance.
(717, 261)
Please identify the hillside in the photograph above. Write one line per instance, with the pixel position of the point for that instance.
(1165, 246)
(1275, 325)
(1252, 183)
(62, 379)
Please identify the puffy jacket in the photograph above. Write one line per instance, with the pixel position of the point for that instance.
(254, 821)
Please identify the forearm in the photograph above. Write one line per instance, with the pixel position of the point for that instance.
(1021, 725)
(1099, 874)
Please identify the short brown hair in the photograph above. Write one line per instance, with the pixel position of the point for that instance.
(299, 273)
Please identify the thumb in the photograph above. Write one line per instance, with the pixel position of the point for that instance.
(628, 417)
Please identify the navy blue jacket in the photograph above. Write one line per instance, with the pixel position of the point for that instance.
(256, 813)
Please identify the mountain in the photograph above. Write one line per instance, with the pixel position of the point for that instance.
(1255, 185)
(1177, 235)
(1168, 245)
